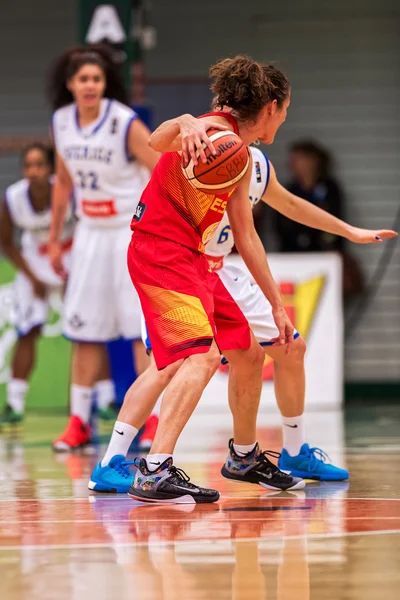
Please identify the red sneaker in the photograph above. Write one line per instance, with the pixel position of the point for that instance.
(76, 435)
(149, 432)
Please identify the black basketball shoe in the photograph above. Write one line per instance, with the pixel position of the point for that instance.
(255, 467)
(168, 484)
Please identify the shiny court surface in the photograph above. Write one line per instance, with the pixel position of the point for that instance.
(59, 541)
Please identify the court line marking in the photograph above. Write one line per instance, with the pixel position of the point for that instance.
(178, 520)
(273, 497)
(192, 542)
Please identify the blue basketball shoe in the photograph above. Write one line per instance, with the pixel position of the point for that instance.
(114, 477)
(311, 463)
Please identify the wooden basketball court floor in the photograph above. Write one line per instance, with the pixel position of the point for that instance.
(58, 541)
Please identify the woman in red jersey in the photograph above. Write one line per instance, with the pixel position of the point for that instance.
(190, 315)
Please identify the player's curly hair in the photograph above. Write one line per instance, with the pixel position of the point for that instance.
(246, 86)
(69, 63)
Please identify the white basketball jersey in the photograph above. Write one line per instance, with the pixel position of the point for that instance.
(222, 242)
(35, 228)
(108, 183)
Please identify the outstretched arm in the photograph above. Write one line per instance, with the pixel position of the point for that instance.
(252, 251)
(305, 212)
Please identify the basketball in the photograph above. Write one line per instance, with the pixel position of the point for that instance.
(222, 171)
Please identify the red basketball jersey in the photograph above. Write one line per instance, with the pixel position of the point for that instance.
(170, 207)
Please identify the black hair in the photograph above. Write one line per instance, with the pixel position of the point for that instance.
(69, 63)
(47, 151)
(315, 150)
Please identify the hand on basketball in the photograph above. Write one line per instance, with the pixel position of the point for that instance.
(370, 236)
(285, 327)
(194, 135)
(56, 260)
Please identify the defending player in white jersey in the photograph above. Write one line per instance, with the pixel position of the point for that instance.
(27, 208)
(297, 456)
(103, 154)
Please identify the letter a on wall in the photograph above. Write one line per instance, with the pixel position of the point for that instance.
(105, 25)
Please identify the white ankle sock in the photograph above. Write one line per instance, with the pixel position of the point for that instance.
(16, 394)
(81, 402)
(293, 429)
(121, 439)
(155, 460)
(105, 393)
(243, 450)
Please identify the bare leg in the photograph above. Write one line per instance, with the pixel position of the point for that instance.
(143, 394)
(104, 369)
(182, 396)
(142, 361)
(289, 378)
(23, 359)
(245, 382)
(87, 361)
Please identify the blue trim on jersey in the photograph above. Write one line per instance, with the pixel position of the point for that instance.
(224, 361)
(296, 335)
(53, 130)
(101, 122)
(147, 342)
(79, 340)
(21, 333)
(129, 158)
(114, 339)
(268, 174)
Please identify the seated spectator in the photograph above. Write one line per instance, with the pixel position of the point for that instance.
(310, 166)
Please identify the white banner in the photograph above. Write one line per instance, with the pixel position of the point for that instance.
(311, 287)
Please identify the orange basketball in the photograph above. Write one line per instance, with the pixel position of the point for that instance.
(222, 171)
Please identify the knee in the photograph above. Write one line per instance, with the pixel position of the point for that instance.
(205, 364)
(298, 350)
(167, 374)
(212, 360)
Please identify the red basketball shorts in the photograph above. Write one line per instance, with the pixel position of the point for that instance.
(185, 305)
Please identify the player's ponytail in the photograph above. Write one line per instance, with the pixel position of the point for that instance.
(69, 63)
(246, 86)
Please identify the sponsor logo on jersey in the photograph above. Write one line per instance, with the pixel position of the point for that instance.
(257, 168)
(76, 322)
(77, 152)
(138, 214)
(209, 232)
(215, 262)
(99, 208)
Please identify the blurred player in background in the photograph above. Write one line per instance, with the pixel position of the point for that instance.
(103, 154)
(27, 207)
(297, 456)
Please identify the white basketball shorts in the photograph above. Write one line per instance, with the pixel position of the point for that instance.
(251, 302)
(101, 303)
